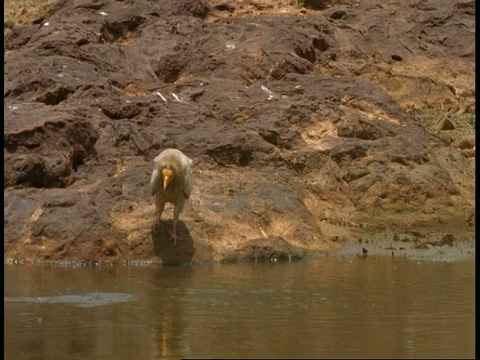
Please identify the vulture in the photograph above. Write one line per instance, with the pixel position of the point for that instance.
(171, 182)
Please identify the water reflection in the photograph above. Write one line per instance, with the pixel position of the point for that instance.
(332, 307)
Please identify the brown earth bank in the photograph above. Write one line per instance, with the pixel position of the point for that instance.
(320, 127)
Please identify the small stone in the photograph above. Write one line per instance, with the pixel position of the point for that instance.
(422, 246)
(448, 239)
(467, 142)
(225, 7)
(445, 124)
(315, 4)
(468, 153)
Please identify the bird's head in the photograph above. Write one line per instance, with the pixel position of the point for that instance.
(167, 177)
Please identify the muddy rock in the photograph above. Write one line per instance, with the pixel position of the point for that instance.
(272, 249)
(466, 142)
(296, 121)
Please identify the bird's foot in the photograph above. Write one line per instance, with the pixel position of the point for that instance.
(174, 238)
(155, 224)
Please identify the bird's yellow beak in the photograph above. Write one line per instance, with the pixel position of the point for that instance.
(167, 177)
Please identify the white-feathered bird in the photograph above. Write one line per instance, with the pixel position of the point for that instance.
(171, 182)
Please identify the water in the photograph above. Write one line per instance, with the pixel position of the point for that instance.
(331, 307)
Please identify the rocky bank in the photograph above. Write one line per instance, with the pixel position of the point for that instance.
(300, 122)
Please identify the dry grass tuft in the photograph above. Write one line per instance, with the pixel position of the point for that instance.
(19, 12)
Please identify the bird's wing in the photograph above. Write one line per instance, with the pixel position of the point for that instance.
(187, 190)
(154, 181)
(188, 161)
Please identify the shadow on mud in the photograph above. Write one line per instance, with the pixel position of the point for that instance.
(179, 254)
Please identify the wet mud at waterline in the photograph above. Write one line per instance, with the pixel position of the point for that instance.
(346, 128)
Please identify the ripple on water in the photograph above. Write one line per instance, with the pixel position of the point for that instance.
(80, 300)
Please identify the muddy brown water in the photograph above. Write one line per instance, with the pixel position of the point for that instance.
(329, 307)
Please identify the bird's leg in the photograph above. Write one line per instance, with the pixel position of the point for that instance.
(177, 209)
(157, 221)
(174, 233)
(159, 206)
